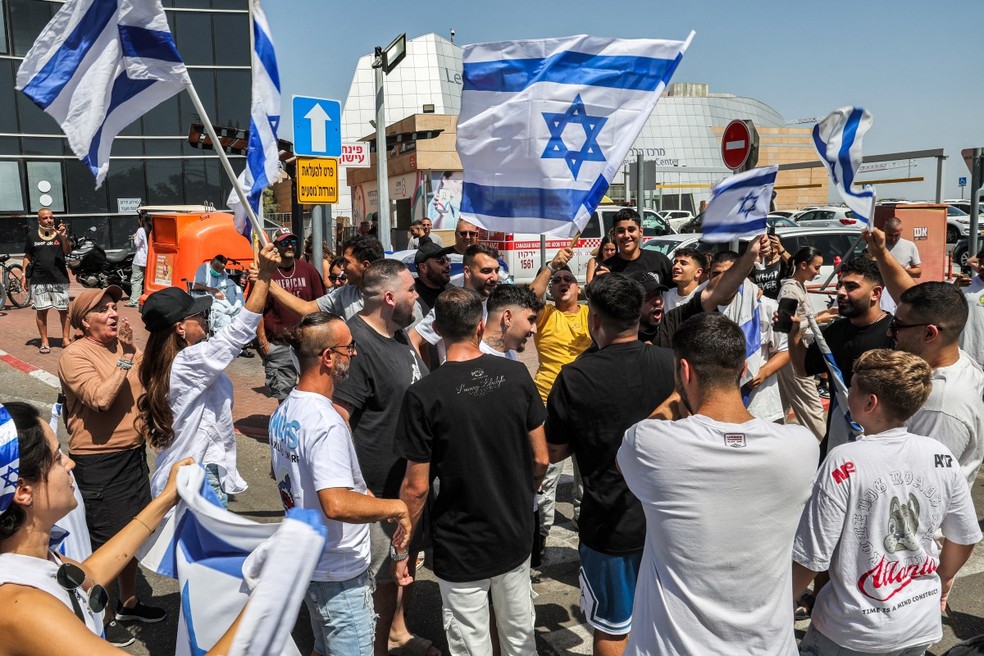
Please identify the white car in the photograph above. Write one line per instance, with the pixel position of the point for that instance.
(828, 217)
(676, 218)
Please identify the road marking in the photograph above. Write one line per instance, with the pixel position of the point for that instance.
(29, 369)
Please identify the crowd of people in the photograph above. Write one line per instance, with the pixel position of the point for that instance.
(713, 486)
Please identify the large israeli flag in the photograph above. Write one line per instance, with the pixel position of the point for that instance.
(739, 206)
(98, 66)
(838, 141)
(221, 560)
(263, 153)
(546, 124)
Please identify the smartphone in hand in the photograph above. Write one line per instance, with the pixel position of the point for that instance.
(784, 322)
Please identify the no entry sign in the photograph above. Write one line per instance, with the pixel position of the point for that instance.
(739, 145)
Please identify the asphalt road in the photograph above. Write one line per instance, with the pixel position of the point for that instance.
(560, 629)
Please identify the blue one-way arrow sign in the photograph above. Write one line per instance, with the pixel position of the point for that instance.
(317, 127)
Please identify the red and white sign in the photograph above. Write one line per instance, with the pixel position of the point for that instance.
(354, 154)
(736, 144)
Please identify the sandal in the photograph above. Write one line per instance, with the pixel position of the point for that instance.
(44, 349)
(804, 607)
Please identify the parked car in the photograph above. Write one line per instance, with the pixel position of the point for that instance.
(828, 217)
(785, 213)
(696, 224)
(676, 218)
(832, 242)
(957, 223)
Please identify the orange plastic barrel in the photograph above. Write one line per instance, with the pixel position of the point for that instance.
(179, 243)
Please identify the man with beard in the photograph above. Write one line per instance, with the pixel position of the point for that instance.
(315, 465)
(722, 493)
(631, 257)
(928, 321)
(433, 275)
(481, 267)
(369, 400)
(863, 326)
(652, 305)
(512, 312)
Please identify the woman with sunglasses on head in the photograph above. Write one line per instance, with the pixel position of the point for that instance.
(52, 605)
(186, 409)
(606, 249)
(337, 277)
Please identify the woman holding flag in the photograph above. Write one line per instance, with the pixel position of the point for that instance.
(53, 605)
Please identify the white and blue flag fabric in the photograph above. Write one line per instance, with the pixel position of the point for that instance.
(263, 153)
(219, 557)
(545, 125)
(842, 428)
(838, 141)
(98, 66)
(70, 536)
(739, 206)
(9, 459)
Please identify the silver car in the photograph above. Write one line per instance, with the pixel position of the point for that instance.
(828, 217)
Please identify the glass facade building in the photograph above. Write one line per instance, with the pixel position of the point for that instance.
(152, 161)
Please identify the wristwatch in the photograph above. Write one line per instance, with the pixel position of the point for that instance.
(398, 557)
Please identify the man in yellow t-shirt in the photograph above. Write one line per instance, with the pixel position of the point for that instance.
(561, 335)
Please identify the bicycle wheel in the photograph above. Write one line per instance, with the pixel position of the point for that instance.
(18, 293)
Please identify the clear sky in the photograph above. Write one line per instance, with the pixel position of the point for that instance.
(915, 65)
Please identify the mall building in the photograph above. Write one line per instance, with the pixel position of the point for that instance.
(152, 160)
(681, 140)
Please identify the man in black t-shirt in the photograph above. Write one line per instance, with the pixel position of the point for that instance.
(863, 326)
(44, 268)
(369, 400)
(433, 274)
(476, 423)
(592, 403)
(775, 266)
(631, 257)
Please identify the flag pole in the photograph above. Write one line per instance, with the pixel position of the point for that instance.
(254, 220)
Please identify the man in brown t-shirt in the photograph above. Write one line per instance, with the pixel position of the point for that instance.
(303, 281)
(99, 376)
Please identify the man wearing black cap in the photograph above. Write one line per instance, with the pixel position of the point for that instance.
(652, 305)
(295, 278)
(433, 275)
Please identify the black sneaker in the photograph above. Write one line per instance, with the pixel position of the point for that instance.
(139, 613)
(118, 635)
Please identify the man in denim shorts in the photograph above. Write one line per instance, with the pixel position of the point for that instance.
(44, 267)
(316, 468)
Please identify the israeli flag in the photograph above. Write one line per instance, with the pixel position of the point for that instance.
(739, 206)
(746, 311)
(546, 124)
(98, 66)
(842, 428)
(838, 140)
(70, 536)
(239, 217)
(9, 459)
(263, 153)
(219, 558)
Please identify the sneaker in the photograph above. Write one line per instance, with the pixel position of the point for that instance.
(132, 303)
(140, 613)
(118, 635)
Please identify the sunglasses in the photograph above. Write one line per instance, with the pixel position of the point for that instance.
(71, 577)
(468, 233)
(341, 276)
(895, 326)
(556, 280)
(284, 244)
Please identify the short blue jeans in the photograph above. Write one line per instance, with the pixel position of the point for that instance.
(343, 618)
(212, 476)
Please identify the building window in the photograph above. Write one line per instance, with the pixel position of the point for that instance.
(11, 193)
(45, 186)
(4, 46)
(27, 19)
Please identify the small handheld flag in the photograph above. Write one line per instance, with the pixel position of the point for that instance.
(739, 206)
(838, 141)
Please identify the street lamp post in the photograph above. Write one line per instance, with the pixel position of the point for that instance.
(386, 59)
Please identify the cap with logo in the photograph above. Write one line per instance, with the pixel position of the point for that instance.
(650, 281)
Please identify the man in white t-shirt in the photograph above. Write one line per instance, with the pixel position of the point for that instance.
(481, 270)
(315, 465)
(871, 522)
(139, 264)
(972, 336)
(511, 322)
(688, 268)
(722, 493)
(904, 252)
(928, 322)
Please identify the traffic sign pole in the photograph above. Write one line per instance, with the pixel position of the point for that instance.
(382, 175)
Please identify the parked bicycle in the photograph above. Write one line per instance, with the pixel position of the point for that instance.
(12, 284)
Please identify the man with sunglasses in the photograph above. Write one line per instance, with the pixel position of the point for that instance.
(433, 274)
(465, 235)
(296, 279)
(928, 321)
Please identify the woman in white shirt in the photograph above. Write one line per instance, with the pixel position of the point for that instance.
(52, 605)
(186, 410)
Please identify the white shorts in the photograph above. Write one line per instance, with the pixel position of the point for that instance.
(44, 297)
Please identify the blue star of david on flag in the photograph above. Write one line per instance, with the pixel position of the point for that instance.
(748, 204)
(556, 148)
(739, 206)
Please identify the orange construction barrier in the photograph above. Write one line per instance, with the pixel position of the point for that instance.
(179, 242)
